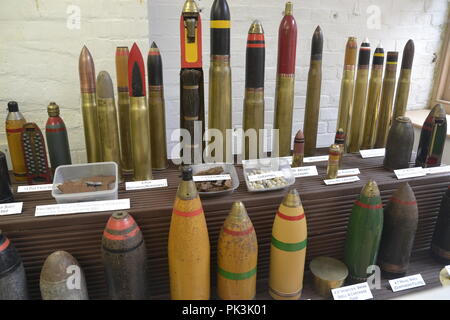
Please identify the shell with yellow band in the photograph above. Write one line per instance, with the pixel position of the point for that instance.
(288, 249)
(237, 255)
(188, 248)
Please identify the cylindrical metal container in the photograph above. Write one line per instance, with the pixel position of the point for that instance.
(299, 147)
(333, 161)
(328, 274)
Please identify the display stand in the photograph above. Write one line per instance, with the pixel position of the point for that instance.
(327, 210)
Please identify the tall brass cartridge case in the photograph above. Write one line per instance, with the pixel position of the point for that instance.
(140, 138)
(399, 144)
(107, 120)
(89, 106)
(157, 111)
(333, 161)
(299, 147)
(404, 81)
(359, 99)
(284, 91)
(339, 140)
(347, 86)
(387, 99)
(253, 113)
(124, 108)
(399, 229)
(313, 94)
(373, 99)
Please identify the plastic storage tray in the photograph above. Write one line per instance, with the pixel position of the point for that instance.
(78, 171)
(268, 166)
(227, 169)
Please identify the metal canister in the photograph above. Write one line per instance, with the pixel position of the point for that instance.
(13, 282)
(188, 248)
(14, 127)
(62, 278)
(124, 258)
(288, 249)
(57, 140)
(399, 144)
(237, 255)
(399, 229)
(313, 90)
(328, 273)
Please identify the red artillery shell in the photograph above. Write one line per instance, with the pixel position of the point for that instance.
(13, 283)
(399, 230)
(124, 258)
(62, 278)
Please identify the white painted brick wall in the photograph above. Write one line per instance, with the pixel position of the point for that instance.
(39, 54)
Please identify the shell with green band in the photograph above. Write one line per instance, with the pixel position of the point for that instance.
(237, 255)
(364, 232)
(288, 249)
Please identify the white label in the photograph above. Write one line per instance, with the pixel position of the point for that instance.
(11, 208)
(448, 269)
(146, 184)
(265, 176)
(315, 159)
(442, 169)
(407, 283)
(308, 171)
(348, 172)
(82, 207)
(360, 291)
(409, 173)
(372, 153)
(34, 188)
(213, 177)
(341, 180)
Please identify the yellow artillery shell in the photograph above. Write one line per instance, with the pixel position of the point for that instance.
(288, 249)
(237, 255)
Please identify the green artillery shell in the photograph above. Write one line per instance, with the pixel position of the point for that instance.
(440, 244)
(387, 99)
(360, 99)
(339, 139)
(124, 258)
(107, 120)
(373, 99)
(432, 138)
(399, 230)
(404, 81)
(347, 85)
(298, 155)
(313, 94)
(57, 140)
(364, 232)
(157, 111)
(333, 161)
(253, 113)
(13, 283)
(62, 278)
(399, 144)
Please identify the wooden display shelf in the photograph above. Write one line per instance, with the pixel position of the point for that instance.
(327, 210)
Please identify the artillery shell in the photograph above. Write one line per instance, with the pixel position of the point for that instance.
(14, 127)
(404, 80)
(333, 161)
(57, 140)
(399, 144)
(299, 147)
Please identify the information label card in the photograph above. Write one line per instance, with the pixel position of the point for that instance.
(433, 170)
(341, 180)
(265, 176)
(145, 184)
(315, 159)
(308, 171)
(372, 153)
(213, 177)
(409, 173)
(448, 269)
(360, 291)
(348, 172)
(11, 208)
(405, 283)
(35, 188)
(82, 207)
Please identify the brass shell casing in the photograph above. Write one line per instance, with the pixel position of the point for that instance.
(359, 111)
(157, 116)
(387, 101)
(109, 131)
(373, 103)
(312, 107)
(140, 138)
(328, 274)
(346, 99)
(401, 98)
(284, 109)
(333, 161)
(125, 131)
(219, 111)
(91, 128)
(253, 116)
